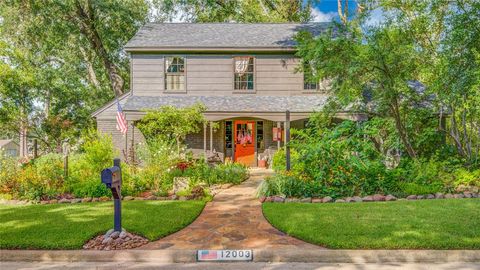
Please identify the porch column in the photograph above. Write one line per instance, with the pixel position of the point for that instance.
(279, 142)
(287, 140)
(205, 140)
(211, 136)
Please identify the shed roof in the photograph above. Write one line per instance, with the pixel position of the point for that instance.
(178, 36)
(237, 103)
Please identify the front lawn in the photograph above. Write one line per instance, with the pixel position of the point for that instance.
(425, 224)
(69, 226)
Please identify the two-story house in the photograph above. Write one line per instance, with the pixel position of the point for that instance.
(245, 74)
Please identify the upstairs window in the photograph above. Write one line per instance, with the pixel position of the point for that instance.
(309, 81)
(244, 73)
(175, 73)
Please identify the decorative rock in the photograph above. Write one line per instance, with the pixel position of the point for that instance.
(306, 200)
(459, 196)
(182, 198)
(278, 199)
(64, 200)
(151, 198)
(420, 197)
(44, 202)
(162, 198)
(378, 197)
(269, 199)
(467, 194)
(123, 235)
(439, 195)
(85, 200)
(76, 200)
(349, 199)
(180, 184)
(53, 201)
(262, 199)
(474, 195)
(104, 199)
(448, 196)
(340, 201)
(390, 198)
(357, 199)
(95, 200)
(128, 198)
(327, 199)
(412, 197)
(430, 196)
(291, 200)
(115, 235)
(107, 241)
(108, 233)
(173, 197)
(367, 199)
(316, 200)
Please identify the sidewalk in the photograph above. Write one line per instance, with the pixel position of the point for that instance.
(259, 255)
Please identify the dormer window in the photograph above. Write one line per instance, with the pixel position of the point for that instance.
(175, 73)
(244, 73)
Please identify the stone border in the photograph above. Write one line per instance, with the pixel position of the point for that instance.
(214, 190)
(259, 255)
(372, 198)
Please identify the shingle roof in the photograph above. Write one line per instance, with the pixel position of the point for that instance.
(237, 103)
(220, 35)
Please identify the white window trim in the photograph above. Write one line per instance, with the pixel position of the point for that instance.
(165, 90)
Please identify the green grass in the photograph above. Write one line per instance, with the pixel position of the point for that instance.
(69, 226)
(426, 224)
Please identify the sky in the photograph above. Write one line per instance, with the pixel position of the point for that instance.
(326, 10)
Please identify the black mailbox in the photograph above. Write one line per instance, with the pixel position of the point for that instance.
(112, 178)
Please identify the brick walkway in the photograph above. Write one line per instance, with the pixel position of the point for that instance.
(233, 220)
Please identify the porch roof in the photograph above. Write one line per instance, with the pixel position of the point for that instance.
(237, 103)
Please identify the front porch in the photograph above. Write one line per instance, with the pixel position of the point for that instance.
(241, 139)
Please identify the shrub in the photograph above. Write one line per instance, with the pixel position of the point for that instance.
(9, 171)
(85, 167)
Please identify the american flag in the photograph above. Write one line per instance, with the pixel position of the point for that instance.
(208, 255)
(122, 125)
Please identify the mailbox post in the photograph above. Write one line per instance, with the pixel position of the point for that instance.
(112, 178)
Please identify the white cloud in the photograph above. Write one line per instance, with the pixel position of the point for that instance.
(319, 16)
(376, 17)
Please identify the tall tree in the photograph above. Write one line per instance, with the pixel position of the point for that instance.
(250, 11)
(74, 52)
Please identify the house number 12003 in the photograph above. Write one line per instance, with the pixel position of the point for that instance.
(225, 255)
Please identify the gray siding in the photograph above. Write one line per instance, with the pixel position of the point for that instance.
(213, 75)
(120, 142)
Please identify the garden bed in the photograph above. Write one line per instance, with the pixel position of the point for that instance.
(70, 226)
(419, 224)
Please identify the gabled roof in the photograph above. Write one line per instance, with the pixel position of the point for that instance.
(237, 103)
(219, 36)
(109, 104)
(5, 142)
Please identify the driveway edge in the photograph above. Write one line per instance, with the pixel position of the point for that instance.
(259, 255)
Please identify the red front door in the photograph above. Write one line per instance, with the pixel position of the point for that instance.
(244, 136)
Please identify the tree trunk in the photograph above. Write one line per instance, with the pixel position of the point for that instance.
(402, 131)
(86, 21)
